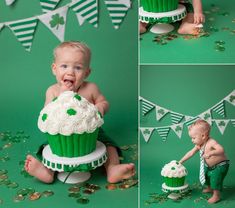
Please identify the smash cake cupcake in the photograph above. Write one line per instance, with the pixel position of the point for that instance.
(159, 5)
(71, 124)
(174, 174)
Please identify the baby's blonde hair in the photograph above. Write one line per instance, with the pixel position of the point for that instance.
(82, 47)
(203, 125)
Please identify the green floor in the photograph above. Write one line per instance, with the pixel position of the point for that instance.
(196, 88)
(220, 24)
(12, 157)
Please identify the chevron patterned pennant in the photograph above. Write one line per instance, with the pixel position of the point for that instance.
(48, 5)
(233, 122)
(163, 132)
(219, 108)
(146, 107)
(176, 117)
(117, 11)
(86, 10)
(24, 31)
(190, 121)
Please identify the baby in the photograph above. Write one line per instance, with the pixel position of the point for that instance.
(71, 67)
(216, 164)
(191, 23)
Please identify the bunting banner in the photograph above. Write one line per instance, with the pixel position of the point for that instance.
(231, 98)
(222, 124)
(178, 120)
(24, 31)
(117, 10)
(146, 132)
(219, 108)
(146, 106)
(48, 5)
(55, 21)
(86, 10)
(163, 132)
(160, 112)
(176, 117)
(178, 129)
(9, 2)
(233, 122)
(206, 116)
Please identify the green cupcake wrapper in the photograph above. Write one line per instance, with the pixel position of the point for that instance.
(174, 182)
(75, 145)
(159, 5)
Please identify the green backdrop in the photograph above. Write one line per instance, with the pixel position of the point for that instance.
(25, 76)
(189, 90)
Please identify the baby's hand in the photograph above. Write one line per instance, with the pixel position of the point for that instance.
(198, 18)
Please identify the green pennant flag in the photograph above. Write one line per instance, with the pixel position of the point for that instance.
(163, 132)
(48, 5)
(86, 10)
(24, 31)
(117, 11)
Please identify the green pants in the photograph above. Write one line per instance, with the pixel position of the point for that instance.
(215, 175)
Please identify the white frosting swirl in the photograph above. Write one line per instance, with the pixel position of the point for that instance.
(68, 114)
(174, 169)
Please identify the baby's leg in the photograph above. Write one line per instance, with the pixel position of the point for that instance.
(38, 170)
(215, 197)
(116, 171)
(187, 26)
(207, 190)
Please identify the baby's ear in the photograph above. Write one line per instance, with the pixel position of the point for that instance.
(88, 71)
(53, 68)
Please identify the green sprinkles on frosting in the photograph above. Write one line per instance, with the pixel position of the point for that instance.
(44, 116)
(78, 97)
(173, 168)
(71, 112)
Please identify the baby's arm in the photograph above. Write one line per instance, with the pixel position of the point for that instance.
(198, 14)
(189, 154)
(49, 95)
(99, 100)
(215, 150)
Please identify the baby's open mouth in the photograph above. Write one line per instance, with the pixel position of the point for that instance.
(68, 82)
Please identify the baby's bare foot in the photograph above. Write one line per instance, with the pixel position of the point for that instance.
(207, 190)
(188, 29)
(38, 170)
(213, 199)
(116, 173)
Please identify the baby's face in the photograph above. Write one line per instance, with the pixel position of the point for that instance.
(70, 68)
(197, 135)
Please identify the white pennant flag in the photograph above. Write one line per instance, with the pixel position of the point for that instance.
(222, 124)
(146, 132)
(176, 117)
(231, 98)
(9, 2)
(48, 5)
(219, 108)
(24, 31)
(178, 129)
(206, 116)
(160, 112)
(86, 10)
(233, 122)
(117, 10)
(1, 26)
(163, 132)
(56, 21)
